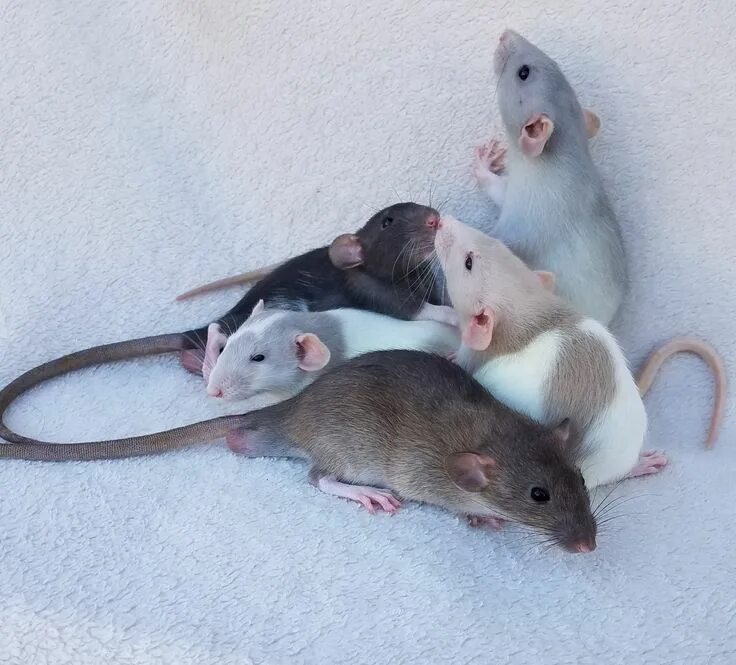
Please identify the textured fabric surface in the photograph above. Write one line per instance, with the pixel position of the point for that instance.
(149, 146)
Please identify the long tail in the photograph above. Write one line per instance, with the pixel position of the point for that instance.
(709, 355)
(235, 280)
(25, 448)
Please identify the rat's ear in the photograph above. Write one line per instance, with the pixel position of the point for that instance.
(260, 306)
(470, 471)
(592, 123)
(312, 353)
(547, 279)
(346, 251)
(478, 332)
(535, 134)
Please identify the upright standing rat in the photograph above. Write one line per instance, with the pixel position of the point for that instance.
(278, 352)
(385, 267)
(554, 212)
(537, 354)
(406, 421)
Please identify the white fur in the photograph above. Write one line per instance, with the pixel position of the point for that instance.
(365, 331)
(519, 379)
(616, 438)
(613, 443)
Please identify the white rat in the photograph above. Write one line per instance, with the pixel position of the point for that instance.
(279, 352)
(534, 352)
(554, 212)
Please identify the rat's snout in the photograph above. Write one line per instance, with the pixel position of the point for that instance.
(582, 546)
(214, 391)
(433, 221)
(508, 36)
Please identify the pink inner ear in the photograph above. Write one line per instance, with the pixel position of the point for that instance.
(478, 332)
(346, 251)
(547, 279)
(470, 471)
(313, 354)
(535, 134)
(592, 123)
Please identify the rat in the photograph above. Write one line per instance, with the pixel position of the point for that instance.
(404, 423)
(279, 352)
(537, 354)
(386, 267)
(410, 424)
(554, 211)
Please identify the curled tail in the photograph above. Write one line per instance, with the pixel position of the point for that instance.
(27, 448)
(709, 355)
(235, 280)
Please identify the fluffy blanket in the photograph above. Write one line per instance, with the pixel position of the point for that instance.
(148, 146)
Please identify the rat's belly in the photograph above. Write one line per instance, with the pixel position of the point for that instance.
(519, 380)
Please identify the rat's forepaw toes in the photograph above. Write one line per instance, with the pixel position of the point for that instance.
(650, 462)
(486, 521)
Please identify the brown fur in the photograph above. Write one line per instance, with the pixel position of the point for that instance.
(394, 419)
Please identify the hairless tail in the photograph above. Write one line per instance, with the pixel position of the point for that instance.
(32, 449)
(709, 355)
(235, 280)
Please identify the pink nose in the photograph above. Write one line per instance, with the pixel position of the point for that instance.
(584, 548)
(215, 391)
(504, 36)
(433, 222)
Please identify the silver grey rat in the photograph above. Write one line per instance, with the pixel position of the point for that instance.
(554, 211)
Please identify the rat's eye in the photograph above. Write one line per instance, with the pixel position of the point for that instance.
(387, 221)
(523, 72)
(258, 358)
(540, 494)
(469, 262)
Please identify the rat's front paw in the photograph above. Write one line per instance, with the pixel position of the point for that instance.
(490, 160)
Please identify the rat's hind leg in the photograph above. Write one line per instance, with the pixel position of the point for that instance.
(489, 166)
(260, 443)
(371, 498)
(192, 360)
(650, 462)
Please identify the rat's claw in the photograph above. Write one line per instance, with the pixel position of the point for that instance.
(650, 462)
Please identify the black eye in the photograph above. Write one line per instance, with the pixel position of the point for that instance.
(469, 262)
(523, 72)
(387, 221)
(258, 358)
(540, 494)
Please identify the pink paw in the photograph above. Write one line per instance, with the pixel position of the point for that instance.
(486, 521)
(489, 158)
(192, 361)
(452, 356)
(237, 441)
(650, 462)
(371, 498)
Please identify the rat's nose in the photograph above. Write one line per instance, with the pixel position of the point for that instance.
(433, 221)
(214, 391)
(584, 547)
(506, 36)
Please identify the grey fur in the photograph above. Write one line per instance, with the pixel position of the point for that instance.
(279, 373)
(555, 213)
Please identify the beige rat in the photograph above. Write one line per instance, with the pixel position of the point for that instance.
(533, 351)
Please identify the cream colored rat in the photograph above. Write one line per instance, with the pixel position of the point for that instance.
(532, 350)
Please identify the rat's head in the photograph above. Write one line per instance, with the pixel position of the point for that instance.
(537, 103)
(483, 278)
(537, 485)
(392, 244)
(267, 354)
